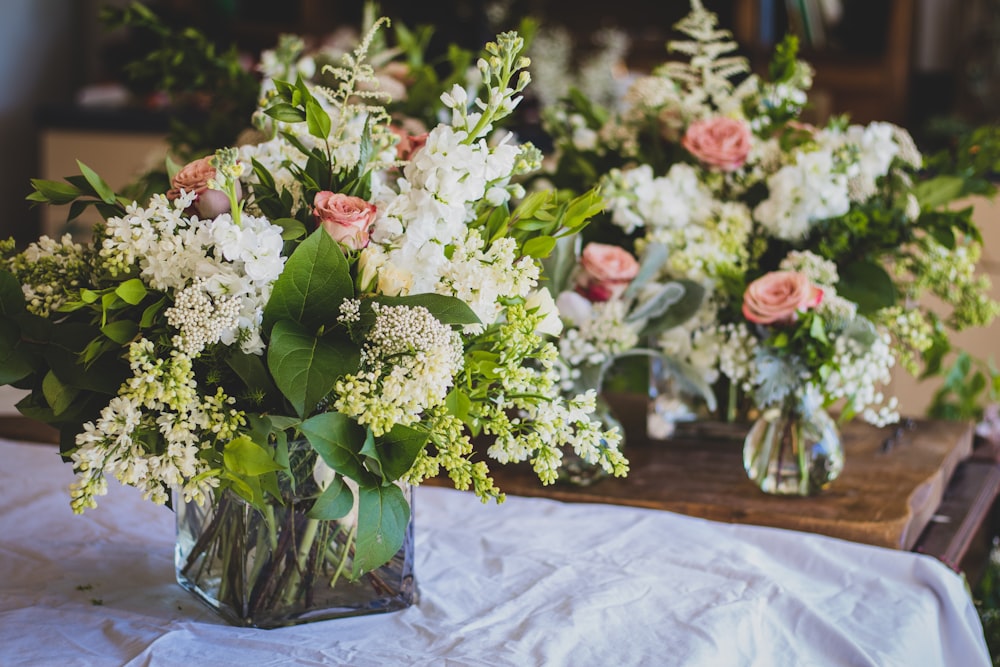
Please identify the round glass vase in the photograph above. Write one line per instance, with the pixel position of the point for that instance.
(789, 451)
(279, 567)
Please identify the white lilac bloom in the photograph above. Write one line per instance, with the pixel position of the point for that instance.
(234, 266)
(408, 364)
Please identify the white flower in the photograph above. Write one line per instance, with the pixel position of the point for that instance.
(575, 308)
(541, 300)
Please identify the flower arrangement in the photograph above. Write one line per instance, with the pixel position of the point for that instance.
(610, 303)
(717, 164)
(315, 286)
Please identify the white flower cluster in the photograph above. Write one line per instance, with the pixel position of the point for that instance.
(702, 234)
(229, 261)
(409, 362)
(421, 237)
(162, 396)
(201, 318)
(561, 422)
(864, 363)
(596, 334)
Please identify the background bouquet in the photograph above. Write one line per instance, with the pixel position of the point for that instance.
(716, 164)
(322, 285)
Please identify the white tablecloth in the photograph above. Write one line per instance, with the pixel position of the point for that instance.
(529, 582)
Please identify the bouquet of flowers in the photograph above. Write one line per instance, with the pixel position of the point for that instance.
(716, 164)
(321, 286)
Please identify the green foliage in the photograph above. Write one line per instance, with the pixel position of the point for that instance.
(967, 385)
(208, 87)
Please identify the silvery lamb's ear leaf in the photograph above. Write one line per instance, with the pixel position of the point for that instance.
(653, 258)
(655, 301)
(679, 312)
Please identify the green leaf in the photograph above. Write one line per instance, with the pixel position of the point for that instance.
(11, 295)
(398, 449)
(338, 440)
(868, 285)
(650, 264)
(317, 120)
(131, 291)
(558, 266)
(53, 192)
(383, 516)
(679, 312)
(458, 403)
(291, 228)
(101, 188)
(445, 309)
(121, 331)
(334, 503)
(245, 457)
(315, 280)
(539, 246)
(657, 303)
(306, 367)
(149, 314)
(14, 363)
(250, 368)
(939, 191)
(286, 113)
(57, 395)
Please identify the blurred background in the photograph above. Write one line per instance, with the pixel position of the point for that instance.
(64, 94)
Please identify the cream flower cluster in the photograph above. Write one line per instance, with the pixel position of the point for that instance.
(595, 338)
(409, 362)
(229, 261)
(49, 270)
(162, 395)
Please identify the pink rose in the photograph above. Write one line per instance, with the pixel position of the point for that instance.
(776, 297)
(194, 177)
(408, 144)
(719, 142)
(606, 271)
(346, 219)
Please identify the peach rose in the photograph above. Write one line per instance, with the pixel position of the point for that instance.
(408, 144)
(719, 142)
(777, 297)
(346, 219)
(606, 271)
(194, 177)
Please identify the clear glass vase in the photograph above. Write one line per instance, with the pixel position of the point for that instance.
(671, 402)
(789, 451)
(280, 567)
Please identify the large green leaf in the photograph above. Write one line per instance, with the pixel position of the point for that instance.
(395, 452)
(338, 440)
(306, 367)
(383, 515)
(11, 295)
(445, 309)
(58, 395)
(14, 363)
(868, 285)
(245, 457)
(334, 503)
(315, 280)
